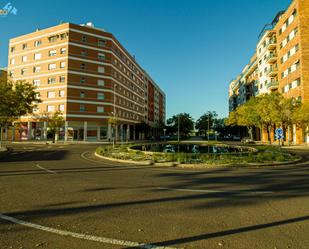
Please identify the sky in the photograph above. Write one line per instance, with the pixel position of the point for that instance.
(191, 48)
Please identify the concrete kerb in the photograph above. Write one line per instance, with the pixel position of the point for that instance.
(199, 166)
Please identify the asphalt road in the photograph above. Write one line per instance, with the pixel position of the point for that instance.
(70, 199)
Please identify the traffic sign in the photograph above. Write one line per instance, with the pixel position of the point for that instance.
(279, 133)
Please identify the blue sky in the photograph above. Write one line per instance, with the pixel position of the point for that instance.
(191, 48)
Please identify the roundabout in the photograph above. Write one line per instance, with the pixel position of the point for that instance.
(76, 200)
(197, 155)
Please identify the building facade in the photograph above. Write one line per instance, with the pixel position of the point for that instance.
(282, 54)
(87, 75)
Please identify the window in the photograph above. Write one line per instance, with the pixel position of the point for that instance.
(24, 46)
(24, 58)
(51, 80)
(101, 43)
(50, 108)
(100, 96)
(61, 93)
(61, 108)
(62, 64)
(36, 69)
(82, 66)
(11, 73)
(12, 49)
(100, 109)
(82, 94)
(12, 62)
(23, 71)
(296, 47)
(52, 38)
(63, 36)
(84, 53)
(298, 82)
(101, 56)
(84, 38)
(36, 82)
(101, 83)
(82, 80)
(37, 43)
(37, 56)
(52, 66)
(51, 94)
(63, 50)
(82, 107)
(61, 79)
(101, 69)
(52, 52)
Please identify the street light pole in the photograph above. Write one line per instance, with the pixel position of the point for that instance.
(178, 128)
(114, 121)
(208, 126)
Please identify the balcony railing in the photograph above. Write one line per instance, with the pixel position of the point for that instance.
(271, 58)
(274, 84)
(272, 71)
(271, 44)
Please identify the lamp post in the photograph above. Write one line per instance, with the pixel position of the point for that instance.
(178, 128)
(208, 126)
(114, 114)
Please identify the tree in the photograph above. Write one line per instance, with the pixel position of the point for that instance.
(301, 116)
(206, 122)
(55, 122)
(248, 116)
(186, 124)
(268, 110)
(16, 99)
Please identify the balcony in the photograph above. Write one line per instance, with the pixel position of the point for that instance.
(271, 44)
(272, 71)
(273, 85)
(271, 58)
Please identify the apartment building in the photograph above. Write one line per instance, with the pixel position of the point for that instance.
(282, 55)
(85, 73)
(245, 85)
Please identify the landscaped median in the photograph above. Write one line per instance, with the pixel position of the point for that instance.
(246, 156)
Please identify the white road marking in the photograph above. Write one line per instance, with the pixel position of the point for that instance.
(82, 236)
(47, 170)
(215, 191)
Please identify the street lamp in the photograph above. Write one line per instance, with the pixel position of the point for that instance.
(114, 114)
(208, 126)
(178, 128)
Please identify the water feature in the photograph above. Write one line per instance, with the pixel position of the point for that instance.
(193, 148)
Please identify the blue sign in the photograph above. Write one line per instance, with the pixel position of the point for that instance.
(279, 133)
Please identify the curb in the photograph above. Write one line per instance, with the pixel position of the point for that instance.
(123, 161)
(199, 166)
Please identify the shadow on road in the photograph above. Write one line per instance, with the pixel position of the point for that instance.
(24, 156)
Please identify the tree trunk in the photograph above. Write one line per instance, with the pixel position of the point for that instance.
(268, 133)
(250, 132)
